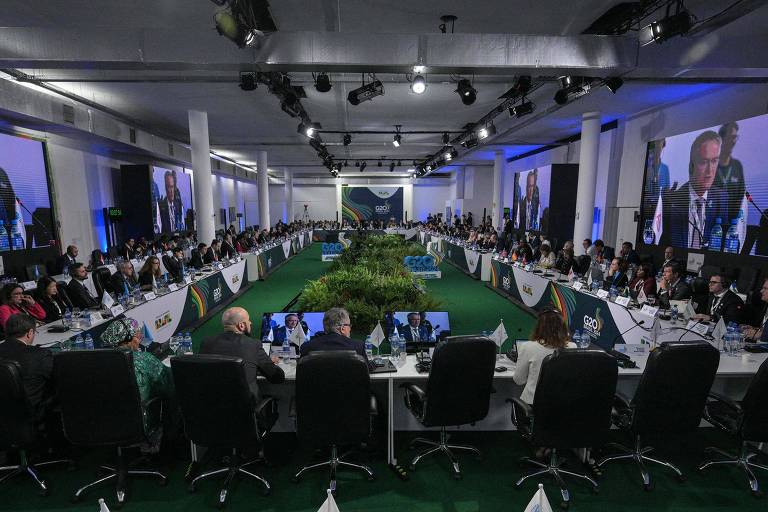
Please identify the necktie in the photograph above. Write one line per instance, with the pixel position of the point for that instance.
(125, 286)
(414, 334)
(696, 242)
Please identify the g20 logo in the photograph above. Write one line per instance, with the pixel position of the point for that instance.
(332, 248)
(506, 282)
(593, 324)
(420, 263)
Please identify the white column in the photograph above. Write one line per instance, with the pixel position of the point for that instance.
(263, 183)
(585, 193)
(460, 183)
(338, 200)
(289, 195)
(498, 190)
(201, 169)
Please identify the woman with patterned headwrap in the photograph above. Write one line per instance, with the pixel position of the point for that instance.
(152, 377)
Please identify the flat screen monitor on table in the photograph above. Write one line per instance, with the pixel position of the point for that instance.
(432, 325)
(311, 322)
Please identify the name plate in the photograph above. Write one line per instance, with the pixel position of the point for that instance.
(622, 301)
(150, 296)
(697, 327)
(173, 287)
(96, 317)
(117, 310)
(633, 349)
(188, 279)
(578, 285)
(112, 269)
(28, 285)
(649, 310)
(233, 261)
(602, 294)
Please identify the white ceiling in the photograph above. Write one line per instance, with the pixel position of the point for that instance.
(241, 123)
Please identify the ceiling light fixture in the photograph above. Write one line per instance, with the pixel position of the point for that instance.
(445, 138)
(309, 130)
(248, 81)
(523, 109)
(396, 140)
(391, 166)
(613, 84)
(418, 84)
(666, 28)
(322, 83)
(470, 141)
(486, 131)
(466, 92)
(366, 92)
(347, 139)
(449, 154)
(363, 164)
(571, 87)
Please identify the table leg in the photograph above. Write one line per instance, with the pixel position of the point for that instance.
(391, 421)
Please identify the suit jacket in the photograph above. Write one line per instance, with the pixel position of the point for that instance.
(257, 362)
(524, 213)
(36, 371)
(54, 308)
(279, 333)
(227, 250)
(334, 341)
(165, 215)
(676, 219)
(212, 255)
(145, 280)
(120, 283)
(681, 291)
(64, 261)
(80, 296)
(405, 332)
(730, 308)
(173, 266)
(632, 257)
(619, 280)
(196, 260)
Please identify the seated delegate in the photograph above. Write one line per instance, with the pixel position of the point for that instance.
(337, 330)
(53, 303)
(16, 301)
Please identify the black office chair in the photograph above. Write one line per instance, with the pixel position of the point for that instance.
(748, 278)
(708, 270)
(17, 428)
(201, 382)
(747, 421)
(568, 411)
(581, 264)
(458, 392)
(102, 281)
(668, 401)
(333, 406)
(700, 292)
(101, 406)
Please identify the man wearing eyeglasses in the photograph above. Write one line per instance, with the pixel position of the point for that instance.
(722, 303)
(337, 329)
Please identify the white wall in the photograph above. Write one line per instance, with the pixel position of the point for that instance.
(429, 196)
(320, 201)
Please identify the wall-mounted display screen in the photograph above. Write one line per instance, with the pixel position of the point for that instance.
(171, 197)
(25, 202)
(704, 190)
(530, 206)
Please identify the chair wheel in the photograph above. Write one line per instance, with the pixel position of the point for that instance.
(266, 492)
(44, 492)
(518, 486)
(682, 478)
(75, 499)
(412, 467)
(163, 482)
(457, 476)
(72, 466)
(371, 478)
(648, 487)
(595, 490)
(295, 479)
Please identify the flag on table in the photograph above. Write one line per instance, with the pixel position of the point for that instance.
(103, 506)
(719, 330)
(106, 300)
(571, 275)
(741, 225)
(499, 336)
(589, 278)
(658, 220)
(539, 502)
(377, 336)
(329, 505)
(298, 336)
(641, 298)
(689, 311)
(655, 331)
(271, 336)
(21, 228)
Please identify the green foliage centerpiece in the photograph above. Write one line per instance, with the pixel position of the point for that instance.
(368, 279)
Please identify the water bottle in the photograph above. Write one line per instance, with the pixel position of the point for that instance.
(88, 342)
(136, 295)
(613, 293)
(577, 337)
(4, 244)
(732, 244)
(174, 344)
(17, 242)
(368, 347)
(67, 319)
(674, 313)
(716, 236)
(188, 343)
(402, 352)
(79, 343)
(285, 353)
(394, 344)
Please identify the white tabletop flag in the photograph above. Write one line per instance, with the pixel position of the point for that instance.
(499, 336)
(329, 505)
(719, 330)
(298, 335)
(271, 335)
(377, 336)
(655, 331)
(589, 278)
(571, 275)
(539, 502)
(103, 506)
(641, 298)
(106, 300)
(689, 311)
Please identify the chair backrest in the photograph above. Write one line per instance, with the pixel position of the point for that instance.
(102, 281)
(573, 399)
(747, 279)
(582, 263)
(16, 425)
(754, 422)
(333, 393)
(460, 381)
(708, 270)
(700, 286)
(673, 389)
(99, 397)
(202, 381)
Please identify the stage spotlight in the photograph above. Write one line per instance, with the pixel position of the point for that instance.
(467, 93)
(391, 166)
(357, 163)
(470, 141)
(418, 85)
(363, 165)
(486, 131)
(571, 87)
(445, 138)
(399, 164)
(659, 31)
(379, 163)
(419, 69)
(248, 81)
(347, 139)
(322, 83)
(449, 154)
(397, 140)
(228, 26)
(523, 109)
(346, 164)
(614, 84)
(366, 92)
(309, 130)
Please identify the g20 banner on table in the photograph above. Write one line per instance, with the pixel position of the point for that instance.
(332, 250)
(371, 203)
(426, 267)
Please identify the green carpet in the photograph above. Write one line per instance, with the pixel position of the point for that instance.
(487, 485)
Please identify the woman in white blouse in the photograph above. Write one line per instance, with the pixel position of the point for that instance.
(547, 258)
(549, 335)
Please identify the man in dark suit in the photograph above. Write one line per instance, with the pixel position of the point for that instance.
(170, 206)
(36, 363)
(672, 286)
(213, 253)
(67, 259)
(756, 330)
(337, 328)
(285, 331)
(174, 264)
(124, 280)
(78, 293)
(669, 257)
(236, 341)
(228, 247)
(198, 254)
(691, 211)
(413, 331)
(529, 206)
(629, 255)
(722, 303)
(730, 171)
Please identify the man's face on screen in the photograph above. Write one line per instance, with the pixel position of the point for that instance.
(729, 140)
(530, 186)
(170, 187)
(705, 160)
(291, 321)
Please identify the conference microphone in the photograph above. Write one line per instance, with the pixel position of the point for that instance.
(621, 334)
(51, 239)
(749, 198)
(702, 243)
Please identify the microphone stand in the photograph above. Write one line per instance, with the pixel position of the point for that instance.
(762, 212)
(702, 243)
(38, 222)
(621, 334)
